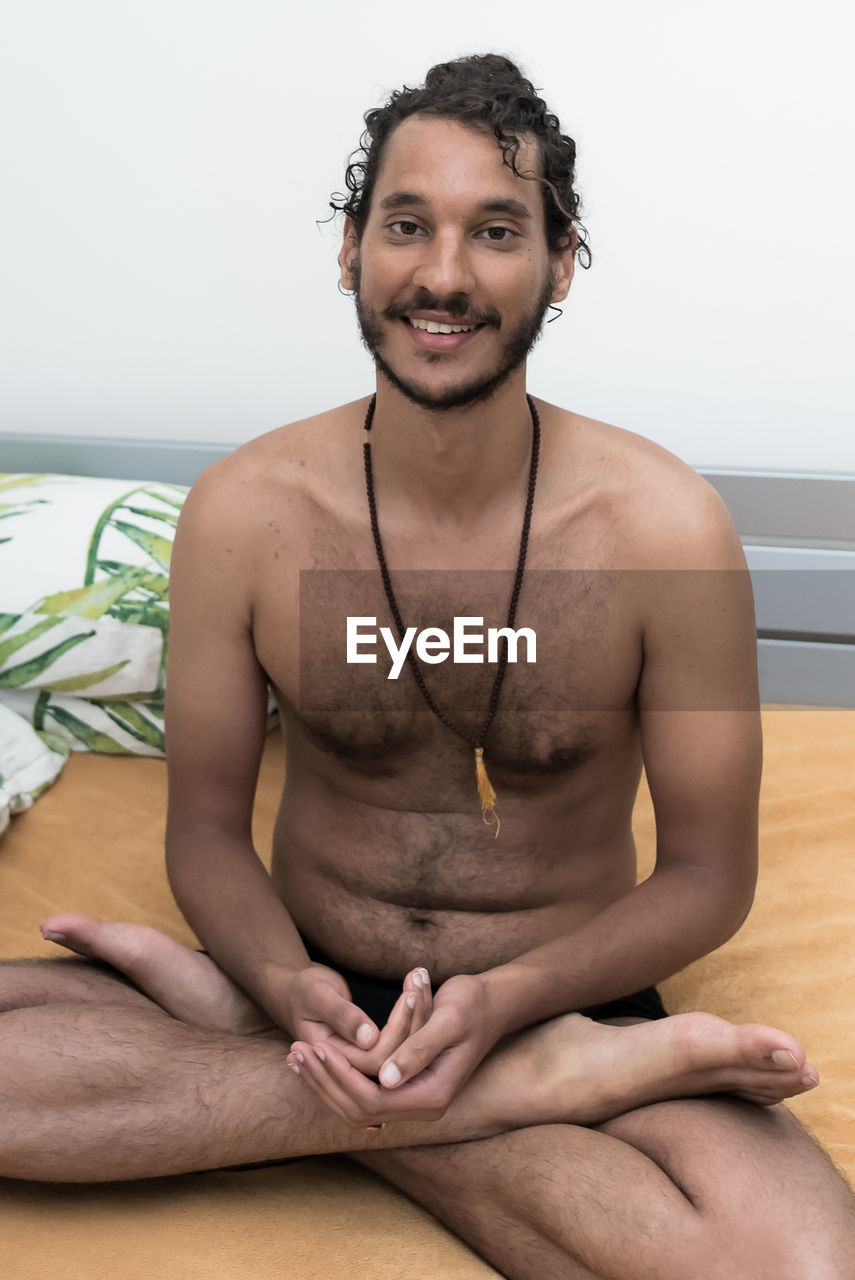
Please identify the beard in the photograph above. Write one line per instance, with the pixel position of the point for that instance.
(514, 351)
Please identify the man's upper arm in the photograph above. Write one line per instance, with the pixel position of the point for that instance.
(698, 696)
(216, 690)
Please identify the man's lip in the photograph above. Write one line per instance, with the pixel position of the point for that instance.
(440, 341)
(437, 318)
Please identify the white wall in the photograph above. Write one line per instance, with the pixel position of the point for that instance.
(164, 276)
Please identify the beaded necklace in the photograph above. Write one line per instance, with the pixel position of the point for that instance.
(485, 790)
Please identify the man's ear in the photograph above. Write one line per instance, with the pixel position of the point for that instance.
(348, 254)
(563, 266)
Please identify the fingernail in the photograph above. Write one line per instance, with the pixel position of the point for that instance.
(55, 937)
(810, 1079)
(295, 1069)
(783, 1058)
(390, 1075)
(425, 977)
(321, 1055)
(411, 1001)
(418, 980)
(363, 1035)
(300, 1058)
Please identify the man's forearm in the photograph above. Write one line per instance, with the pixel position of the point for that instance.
(673, 918)
(228, 898)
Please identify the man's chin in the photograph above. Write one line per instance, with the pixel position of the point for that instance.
(459, 395)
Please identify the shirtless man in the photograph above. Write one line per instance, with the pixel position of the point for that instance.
(624, 1144)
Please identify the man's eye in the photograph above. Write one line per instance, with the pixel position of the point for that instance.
(500, 233)
(406, 228)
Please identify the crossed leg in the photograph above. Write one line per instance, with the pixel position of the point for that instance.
(697, 1188)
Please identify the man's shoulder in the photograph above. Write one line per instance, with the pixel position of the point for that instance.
(284, 463)
(671, 517)
(289, 449)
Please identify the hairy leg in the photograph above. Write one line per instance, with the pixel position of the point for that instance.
(95, 1092)
(606, 1073)
(554, 1199)
(711, 1189)
(131, 1091)
(25, 983)
(98, 1091)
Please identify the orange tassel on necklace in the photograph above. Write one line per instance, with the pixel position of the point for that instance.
(486, 793)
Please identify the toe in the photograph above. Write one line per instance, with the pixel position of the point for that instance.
(76, 932)
(770, 1049)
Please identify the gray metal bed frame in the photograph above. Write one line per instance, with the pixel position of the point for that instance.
(798, 531)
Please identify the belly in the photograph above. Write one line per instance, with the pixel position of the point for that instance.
(382, 890)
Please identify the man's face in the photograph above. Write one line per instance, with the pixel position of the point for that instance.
(454, 238)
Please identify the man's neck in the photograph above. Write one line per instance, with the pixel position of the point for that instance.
(455, 465)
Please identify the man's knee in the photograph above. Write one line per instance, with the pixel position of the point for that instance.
(769, 1198)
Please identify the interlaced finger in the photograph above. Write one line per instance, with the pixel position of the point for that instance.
(311, 1071)
(359, 1099)
(345, 1018)
(408, 1014)
(424, 1000)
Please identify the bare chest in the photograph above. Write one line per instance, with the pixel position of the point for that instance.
(344, 675)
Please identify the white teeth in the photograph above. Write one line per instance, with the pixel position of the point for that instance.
(431, 326)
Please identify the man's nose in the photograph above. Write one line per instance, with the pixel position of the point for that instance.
(444, 267)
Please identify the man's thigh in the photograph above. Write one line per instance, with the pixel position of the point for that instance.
(659, 1191)
(64, 980)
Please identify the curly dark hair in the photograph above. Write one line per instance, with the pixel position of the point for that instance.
(484, 91)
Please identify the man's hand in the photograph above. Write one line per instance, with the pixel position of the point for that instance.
(321, 1015)
(423, 1074)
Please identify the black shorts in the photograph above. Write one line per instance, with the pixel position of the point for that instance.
(376, 996)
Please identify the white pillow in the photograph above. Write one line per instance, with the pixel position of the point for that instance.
(29, 763)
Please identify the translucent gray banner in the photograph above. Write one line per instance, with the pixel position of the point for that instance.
(583, 642)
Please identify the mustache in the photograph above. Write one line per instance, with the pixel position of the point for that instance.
(457, 306)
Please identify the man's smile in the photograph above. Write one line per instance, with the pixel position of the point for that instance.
(437, 326)
(439, 335)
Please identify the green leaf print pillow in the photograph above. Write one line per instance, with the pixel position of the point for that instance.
(84, 607)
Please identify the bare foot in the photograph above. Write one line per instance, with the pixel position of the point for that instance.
(577, 1071)
(185, 983)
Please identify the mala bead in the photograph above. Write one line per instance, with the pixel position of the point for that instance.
(486, 793)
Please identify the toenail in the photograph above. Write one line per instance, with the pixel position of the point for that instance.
(783, 1058)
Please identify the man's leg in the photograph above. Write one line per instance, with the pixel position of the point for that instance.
(672, 1195)
(97, 1082)
(689, 1189)
(103, 1083)
(696, 1189)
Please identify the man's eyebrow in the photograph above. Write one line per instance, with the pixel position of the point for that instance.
(506, 204)
(500, 204)
(402, 200)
